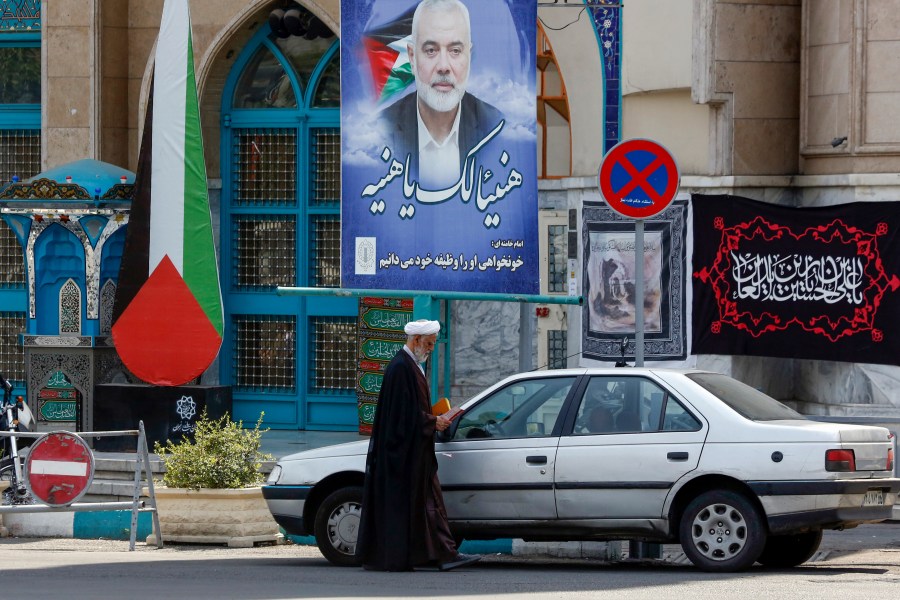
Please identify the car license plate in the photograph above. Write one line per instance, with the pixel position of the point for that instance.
(873, 498)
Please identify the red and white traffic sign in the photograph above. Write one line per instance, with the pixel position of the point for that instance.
(638, 178)
(59, 468)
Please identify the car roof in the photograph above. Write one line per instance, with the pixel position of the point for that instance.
(608, 370)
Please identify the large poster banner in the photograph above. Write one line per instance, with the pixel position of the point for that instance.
(609, 291)
(438, 134)
(816, 283)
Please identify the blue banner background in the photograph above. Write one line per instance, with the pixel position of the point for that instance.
(502, 258)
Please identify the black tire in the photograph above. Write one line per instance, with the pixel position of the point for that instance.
(337, 525)
(7, 473)
(6, 470)
(721, 531)
(786, 551)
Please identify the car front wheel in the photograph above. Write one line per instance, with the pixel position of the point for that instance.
(785, 551)
(722, 531)
(337, 526)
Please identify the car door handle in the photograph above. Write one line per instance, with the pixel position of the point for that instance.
(536, 460)
(680, 456)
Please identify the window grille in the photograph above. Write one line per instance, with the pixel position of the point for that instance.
(20, 154)
(70, 308)
(556, 349)
(325, 177)
(265, 353)
(333, 353)
(325, 251)
(265, 251)
(12, 354)
(12, 259)
(556, 254)
(265, 167)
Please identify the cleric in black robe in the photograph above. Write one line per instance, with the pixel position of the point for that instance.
(403, 522)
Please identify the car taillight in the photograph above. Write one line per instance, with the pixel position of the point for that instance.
(840, 460)
(890, 461)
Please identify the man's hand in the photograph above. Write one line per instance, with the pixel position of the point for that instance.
(442, 423)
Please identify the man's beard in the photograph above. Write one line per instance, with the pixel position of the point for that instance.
(421, 354)
(437, 100)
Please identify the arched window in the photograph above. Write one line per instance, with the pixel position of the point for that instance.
(20, 94)
(20, 155)
(293, 357)
(554, 131)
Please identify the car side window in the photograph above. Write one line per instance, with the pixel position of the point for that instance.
(528, 408)
(621, 404)
(677, 418)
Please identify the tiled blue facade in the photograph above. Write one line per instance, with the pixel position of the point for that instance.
(20, 15)
(605, 15)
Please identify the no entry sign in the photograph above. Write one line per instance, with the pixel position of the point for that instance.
(59, 468)
(638, 178)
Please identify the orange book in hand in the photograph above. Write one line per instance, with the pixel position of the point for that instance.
(440, 407)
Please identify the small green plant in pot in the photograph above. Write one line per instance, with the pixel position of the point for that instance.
(223, 455)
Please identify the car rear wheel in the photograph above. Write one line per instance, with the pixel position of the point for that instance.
(337, 525)
(785, 551)
(722, 531)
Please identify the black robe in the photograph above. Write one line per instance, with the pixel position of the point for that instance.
(403, 522)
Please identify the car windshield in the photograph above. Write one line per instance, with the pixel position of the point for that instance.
(745, 400)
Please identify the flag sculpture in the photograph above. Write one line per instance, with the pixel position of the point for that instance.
(168, 321)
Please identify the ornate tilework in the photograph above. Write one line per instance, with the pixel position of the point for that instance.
(606, 18)
(69, 308)
(120, 191)
(45, 189)
(19, 16)
(107, 301)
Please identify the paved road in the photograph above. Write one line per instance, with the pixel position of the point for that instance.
(863, 563)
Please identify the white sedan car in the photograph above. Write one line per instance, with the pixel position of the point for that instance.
(648, 454)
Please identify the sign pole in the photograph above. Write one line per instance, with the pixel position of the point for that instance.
(639, 293)
(638, 179)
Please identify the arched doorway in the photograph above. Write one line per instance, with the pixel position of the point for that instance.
(292, 357)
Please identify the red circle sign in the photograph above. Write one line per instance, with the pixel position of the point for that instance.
(59, 468)
(638, 178)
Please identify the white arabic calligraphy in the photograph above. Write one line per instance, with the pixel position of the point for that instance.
(467, 185)
(497, 244)
(395, 170)
(454, 263)
(794, 277)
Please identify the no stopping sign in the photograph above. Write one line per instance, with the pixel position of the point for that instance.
(59, 468)
(638, 178)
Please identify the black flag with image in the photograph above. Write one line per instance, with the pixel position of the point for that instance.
(815, 283)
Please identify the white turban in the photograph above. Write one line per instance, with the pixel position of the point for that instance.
(422, 327)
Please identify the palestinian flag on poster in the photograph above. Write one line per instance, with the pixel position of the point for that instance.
(168, 320)
(386, 50)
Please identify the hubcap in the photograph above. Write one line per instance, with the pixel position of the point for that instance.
(343, 527)
(719, 532)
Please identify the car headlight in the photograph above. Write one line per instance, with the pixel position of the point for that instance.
(274, 475)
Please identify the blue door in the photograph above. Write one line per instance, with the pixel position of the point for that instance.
(290, 356)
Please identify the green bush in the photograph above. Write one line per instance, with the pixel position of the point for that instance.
(223, 455)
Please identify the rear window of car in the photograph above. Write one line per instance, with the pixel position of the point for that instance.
(745, 400)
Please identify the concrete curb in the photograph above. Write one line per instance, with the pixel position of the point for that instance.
(517, 547)
(109, 524)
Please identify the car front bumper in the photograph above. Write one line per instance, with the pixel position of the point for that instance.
(286, 504)
(794, 506)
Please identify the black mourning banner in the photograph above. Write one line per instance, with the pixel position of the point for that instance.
(816, 283)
